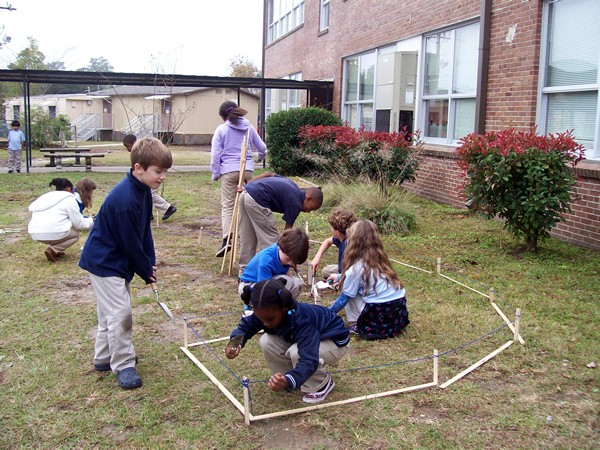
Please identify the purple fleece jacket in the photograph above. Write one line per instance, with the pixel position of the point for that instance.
(227, 146)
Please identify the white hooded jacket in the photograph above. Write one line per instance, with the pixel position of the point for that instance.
(54, 214)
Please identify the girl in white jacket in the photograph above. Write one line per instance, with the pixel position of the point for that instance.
(56, 218)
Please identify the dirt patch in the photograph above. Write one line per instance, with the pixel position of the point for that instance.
(298, 433)
(427, 414)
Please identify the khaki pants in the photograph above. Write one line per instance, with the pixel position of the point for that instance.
(60, 245)
(282, 356)
(159, 203)
(229, 184)
(330, 269)
(292, 284)
(14, 159)
(257, 229)
(353, 308)
(115, 323)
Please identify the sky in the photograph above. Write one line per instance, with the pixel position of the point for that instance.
(145, 36)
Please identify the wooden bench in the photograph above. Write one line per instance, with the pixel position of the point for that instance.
(88, 158)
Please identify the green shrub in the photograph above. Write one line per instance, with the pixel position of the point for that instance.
(376, 156)
(46, 129)
(521, 177)
(283, 141)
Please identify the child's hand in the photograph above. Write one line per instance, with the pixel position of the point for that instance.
(231, 353)
(314, 265)
(278, 382)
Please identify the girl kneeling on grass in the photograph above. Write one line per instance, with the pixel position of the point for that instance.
(299, 339)
(372, 292)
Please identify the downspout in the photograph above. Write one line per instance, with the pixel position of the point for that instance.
(483, 67)
(27, 122)
(263, 96)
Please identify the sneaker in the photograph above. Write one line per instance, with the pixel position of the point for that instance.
(225, 247)
(51, 255)
(10, 171)
(18, 170)
(353, 329)
(319, 396)
(170, 211)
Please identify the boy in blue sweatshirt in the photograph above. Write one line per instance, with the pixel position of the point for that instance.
(119, 246)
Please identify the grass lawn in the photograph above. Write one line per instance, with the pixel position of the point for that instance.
(537, 395)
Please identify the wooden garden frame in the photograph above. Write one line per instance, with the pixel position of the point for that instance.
(244, 407)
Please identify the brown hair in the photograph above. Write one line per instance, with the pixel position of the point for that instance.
(149, 151)
(294, 243)
(85, 188)
(128, 141)
(341, 219)
(365, 244)
(229, 110)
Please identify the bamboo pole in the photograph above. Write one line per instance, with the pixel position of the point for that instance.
(463, 285)
(185, 334)
(507, 321)
(438, 265)
(212, 378)
(197, 344)
(408, 265)
(342, 402)
(476, 365)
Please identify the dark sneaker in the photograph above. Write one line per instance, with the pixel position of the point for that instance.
(10, 171)
(319, 396)
(172, 210)
(225, 247)
(51, 255)
(129, 378)
(18, 170)
(102, 367)
(353, 329)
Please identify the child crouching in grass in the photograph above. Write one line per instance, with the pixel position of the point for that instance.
(299, 339)
(371, 290)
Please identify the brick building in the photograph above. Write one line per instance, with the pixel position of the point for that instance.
(448, 68)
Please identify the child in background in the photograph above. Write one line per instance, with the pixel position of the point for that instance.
(83, 193)
(276, 260)
(262, 196)
(158, 202)
(56, 218)
(15, 147)
(339, 221)
(372, 293)
(119, 246)
(225, 153)
(299, 339)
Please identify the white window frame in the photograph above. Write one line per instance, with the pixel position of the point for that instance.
(545, 92)
(283, 17)
(359, 103)
(324, 16)
(451, 97)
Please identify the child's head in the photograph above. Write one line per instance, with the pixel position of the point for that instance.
(294, 244)
(341, 219)
(270, 300)
(128, 141)
(149, 151)
(62, 184)
(230, 110)
(15, 123)
(313, 199)
(85, 187)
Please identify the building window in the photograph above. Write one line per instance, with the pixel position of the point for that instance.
(293, 95)
(569, 72)
(283, 17)
(324, 21)
(450, 84)
(359, 84)
(283, 99)
(16, 112)
(52, 111)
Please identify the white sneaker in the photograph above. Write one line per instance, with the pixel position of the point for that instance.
(319, 396)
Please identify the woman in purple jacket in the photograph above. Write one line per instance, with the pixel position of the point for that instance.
(226, 150)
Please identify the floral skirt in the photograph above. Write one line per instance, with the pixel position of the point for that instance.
(383, 320)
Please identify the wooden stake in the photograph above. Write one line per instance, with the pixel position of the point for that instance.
(438, 265)
(492, 295)
(435, 367)
(463, 285)
(475, 366)
(506, 321)
(517, 324)
(185, 334)
(197, 344)
(246, 391)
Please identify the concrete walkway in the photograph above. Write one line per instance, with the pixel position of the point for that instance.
(116, 169)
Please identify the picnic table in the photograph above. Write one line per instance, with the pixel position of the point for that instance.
(56, 155)
(52, 152)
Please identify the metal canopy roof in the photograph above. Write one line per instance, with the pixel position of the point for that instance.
(143, 79)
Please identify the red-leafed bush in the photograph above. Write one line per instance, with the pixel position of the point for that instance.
(522, 177)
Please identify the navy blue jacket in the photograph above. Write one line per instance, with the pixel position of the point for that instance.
(307, 326)
(120, 243)
(279, 194)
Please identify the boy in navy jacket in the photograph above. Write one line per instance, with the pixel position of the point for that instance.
(119, 246)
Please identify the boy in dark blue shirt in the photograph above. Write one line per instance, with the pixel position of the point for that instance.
(119, 246)
(258, 201)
